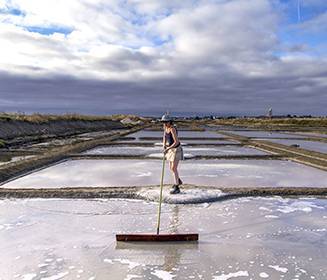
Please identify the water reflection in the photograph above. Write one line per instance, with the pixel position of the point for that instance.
(172, 252)
(184, 140)
(320, 147)
(252, 234)
(223, 173)
(200, 134)
(267, 134)
(195, 151)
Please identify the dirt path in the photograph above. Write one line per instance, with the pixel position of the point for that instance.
(133, 192)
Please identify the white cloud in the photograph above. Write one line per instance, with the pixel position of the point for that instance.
(119, 36)
(227, 45)
(317, 24)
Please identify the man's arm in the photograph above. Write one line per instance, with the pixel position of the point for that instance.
(164, 139)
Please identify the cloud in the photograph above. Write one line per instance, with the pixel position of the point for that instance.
(136, 39)
(315, 24)
(205, 55)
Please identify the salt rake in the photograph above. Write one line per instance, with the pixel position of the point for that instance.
(158, 237)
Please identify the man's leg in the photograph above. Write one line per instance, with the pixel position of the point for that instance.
(175, 171)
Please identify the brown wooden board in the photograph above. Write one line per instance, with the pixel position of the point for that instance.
(162, 237)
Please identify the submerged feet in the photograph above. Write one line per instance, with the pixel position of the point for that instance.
(175, 189)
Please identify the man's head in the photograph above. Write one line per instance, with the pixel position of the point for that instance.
(167, 120)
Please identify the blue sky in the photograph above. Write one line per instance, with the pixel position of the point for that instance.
(305, 10)
(223, 56)
(297, 14)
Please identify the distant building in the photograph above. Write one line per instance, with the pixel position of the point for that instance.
(129, 121)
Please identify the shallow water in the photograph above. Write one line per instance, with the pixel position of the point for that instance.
(200, 134)
(266, 134)
(183, 141)
(223, 173)
(256, 238)
(320, 147)
(196, 151)
(309, 134)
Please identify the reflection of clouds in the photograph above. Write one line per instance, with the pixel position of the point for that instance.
(155, 155)
(121, 150)
(116, 172)
(145, 174)
(181, 133)
(266, 134)
(270, 243)
(309, 145)
(227, 150)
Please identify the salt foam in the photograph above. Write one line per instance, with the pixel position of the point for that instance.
(263, 275)
(29, 276)
(231, 275)
(164, 275)
(130, 264)
(56, 277)
(305, 206)
(132, 276)
(184, 197)
(278, 268)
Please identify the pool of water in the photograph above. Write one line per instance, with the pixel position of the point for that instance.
(266, 134)
(246, 238)
(195, 151)
(198, 134)
(316, 146)
(311, 134)
(183, 141)
(223, 173)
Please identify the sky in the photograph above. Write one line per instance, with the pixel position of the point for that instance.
(190, 57)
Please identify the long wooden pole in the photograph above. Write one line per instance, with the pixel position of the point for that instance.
(161, 187)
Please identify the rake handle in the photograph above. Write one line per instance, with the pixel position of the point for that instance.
(160, 196)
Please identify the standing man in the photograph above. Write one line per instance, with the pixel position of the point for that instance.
(172, 149)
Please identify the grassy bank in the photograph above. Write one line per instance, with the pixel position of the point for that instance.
(44, 118)
(275, 122)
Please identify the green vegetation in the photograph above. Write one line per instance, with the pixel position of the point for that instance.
(2, 143)
(274, 122)
(42, 118)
